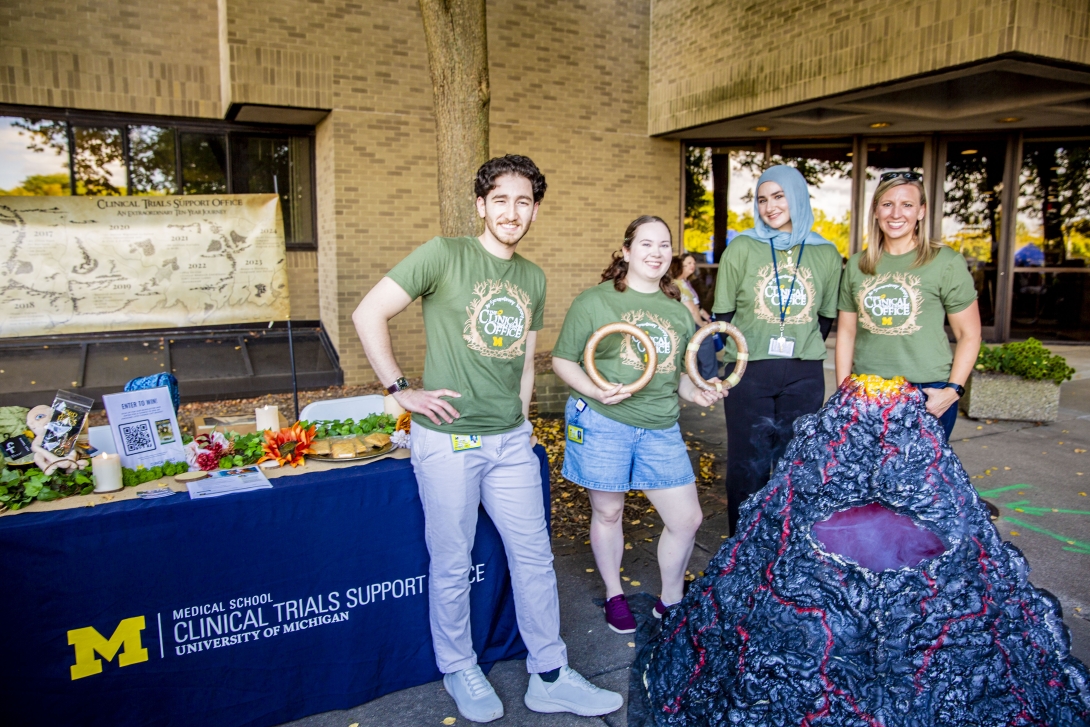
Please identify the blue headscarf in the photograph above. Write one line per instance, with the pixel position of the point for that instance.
(794, 187)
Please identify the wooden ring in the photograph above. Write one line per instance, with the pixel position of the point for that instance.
(694, 345)
(640, 335)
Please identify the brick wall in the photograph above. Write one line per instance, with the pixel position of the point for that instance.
(716, 59)
(569, 88)
(151, 58)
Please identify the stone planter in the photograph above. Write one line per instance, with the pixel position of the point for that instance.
(551, 393)
(1002, 396)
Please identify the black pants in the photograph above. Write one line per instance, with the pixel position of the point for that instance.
(760, 412)
(705, 358)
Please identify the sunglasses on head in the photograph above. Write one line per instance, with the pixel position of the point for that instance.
(910, 176)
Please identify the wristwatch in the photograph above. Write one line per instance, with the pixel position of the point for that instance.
(956, 387)
(399, 385)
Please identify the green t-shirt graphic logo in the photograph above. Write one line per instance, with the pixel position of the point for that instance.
(890, 303)
(661, 332)
(768, 300)
(498, 317)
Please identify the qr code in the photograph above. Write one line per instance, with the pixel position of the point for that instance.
(136, 437)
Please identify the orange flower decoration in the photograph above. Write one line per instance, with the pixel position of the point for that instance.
(404, 422)
(288, 445)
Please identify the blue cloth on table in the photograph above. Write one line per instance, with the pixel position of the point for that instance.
(341, 544)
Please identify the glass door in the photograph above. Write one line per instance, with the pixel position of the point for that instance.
(1050, 297)
(972, 207)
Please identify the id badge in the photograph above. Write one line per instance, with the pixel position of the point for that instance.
(462, 442)
(782, 346)
(575, 434)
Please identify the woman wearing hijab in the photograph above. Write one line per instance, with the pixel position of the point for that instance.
(778, 283)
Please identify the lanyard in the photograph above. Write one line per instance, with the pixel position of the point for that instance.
(779, 291)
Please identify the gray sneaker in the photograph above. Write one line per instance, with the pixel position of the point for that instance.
(475, 697)
(570, 693)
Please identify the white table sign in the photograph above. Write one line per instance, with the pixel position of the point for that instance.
(144, 427)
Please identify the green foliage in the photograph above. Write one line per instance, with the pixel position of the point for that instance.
(1028, 359)
(39, 185)
(341, 427)
(140, 475)
(18, 488)
(246, 449)
(698, 170)
(698, 225)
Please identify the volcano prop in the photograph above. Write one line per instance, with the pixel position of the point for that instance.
(865, 585)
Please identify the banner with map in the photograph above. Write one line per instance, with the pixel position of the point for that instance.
(89, 264)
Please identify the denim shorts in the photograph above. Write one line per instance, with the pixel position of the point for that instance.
(616, 457)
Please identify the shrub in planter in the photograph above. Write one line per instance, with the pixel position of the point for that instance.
(1017, 381)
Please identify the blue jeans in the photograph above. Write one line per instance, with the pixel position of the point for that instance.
(611, 456)
(950, 416)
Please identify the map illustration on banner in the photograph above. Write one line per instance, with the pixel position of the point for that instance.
(87, 264)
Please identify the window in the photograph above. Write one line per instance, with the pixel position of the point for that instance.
(972, 190)
(108, 155)
(1052, 241)
(33, 157)
(153, 163)
(204, 163)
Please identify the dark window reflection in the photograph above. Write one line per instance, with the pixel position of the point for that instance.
(972, 212)
(278, 165)
(1052, 242)
(152, 161)
(204, 163)
(99, 160)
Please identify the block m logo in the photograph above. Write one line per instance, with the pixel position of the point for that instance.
(88, 641)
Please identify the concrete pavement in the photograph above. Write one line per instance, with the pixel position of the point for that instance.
(1039, 476)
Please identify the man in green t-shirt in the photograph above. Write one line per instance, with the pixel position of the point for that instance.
(471, 445)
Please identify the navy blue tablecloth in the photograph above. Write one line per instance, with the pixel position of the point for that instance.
(248, 609)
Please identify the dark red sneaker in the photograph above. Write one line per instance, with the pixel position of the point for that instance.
(619, 616)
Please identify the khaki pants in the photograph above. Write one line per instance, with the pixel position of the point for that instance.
(504, 475)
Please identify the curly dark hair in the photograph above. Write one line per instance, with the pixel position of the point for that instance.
(618, 268)
(521, 166)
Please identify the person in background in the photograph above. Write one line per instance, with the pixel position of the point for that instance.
(617, 442)
(778, 284)
(681, 269)
(471, 445)
(897, 294)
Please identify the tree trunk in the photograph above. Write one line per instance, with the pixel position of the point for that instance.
(458, 57)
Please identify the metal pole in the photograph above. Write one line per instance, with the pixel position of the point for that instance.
(294, 380)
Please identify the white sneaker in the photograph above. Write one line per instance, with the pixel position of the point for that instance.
(475, 697)
(570, 693)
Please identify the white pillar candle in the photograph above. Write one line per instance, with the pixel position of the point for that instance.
(268, 417)
(107, 471)
(391, 407)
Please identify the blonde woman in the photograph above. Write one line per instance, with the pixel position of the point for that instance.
(895, 296)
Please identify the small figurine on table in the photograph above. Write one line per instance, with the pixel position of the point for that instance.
(37, 420)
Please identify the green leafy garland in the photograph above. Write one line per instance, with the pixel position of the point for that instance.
(341, 427)
(246, 449)
(18, 488)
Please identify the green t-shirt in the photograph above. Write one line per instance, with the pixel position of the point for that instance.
(620, 359)
(901, 311)
(478, 311)
(746, 286)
